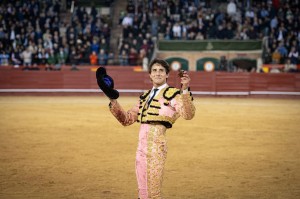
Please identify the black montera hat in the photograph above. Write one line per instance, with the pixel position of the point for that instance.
(106, 83)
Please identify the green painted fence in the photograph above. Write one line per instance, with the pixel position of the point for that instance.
(234, 45)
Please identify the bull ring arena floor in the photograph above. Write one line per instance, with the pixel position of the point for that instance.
(72, 147)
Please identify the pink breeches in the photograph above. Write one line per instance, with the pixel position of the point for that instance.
(150, 160)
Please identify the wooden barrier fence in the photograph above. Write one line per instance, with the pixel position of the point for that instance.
(127, 79)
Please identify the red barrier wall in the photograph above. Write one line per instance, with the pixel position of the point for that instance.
(127, 78)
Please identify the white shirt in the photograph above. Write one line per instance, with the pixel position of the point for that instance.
(231, 8)
(127, 21)
(159, 89)
(176, 30)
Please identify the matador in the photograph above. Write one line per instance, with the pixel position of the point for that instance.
(157, 110)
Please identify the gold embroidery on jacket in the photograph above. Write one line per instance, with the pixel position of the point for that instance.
(170, 93)
(151, 114)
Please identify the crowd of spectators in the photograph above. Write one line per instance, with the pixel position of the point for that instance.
(33, 34)
(145, 22)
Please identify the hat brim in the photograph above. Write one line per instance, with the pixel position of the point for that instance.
(106, 84)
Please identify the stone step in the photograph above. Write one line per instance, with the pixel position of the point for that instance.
(116, 30)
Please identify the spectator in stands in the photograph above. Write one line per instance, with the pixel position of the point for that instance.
(42, 56)
(16, 58)
(192, 30)
(229, 33)
(283, 51)
(85, 52)
(135, 45)
(150, 44)
(243, 34)
(223, 65)
(32, 47)
(267, 56)
(4, 58)
(132, 57)
(127, 20)
(290, 67)
(130, 8)
(141, 56)
(281, 33)
(102, 58)
(104, 45)
(221, 32)
(105, 30)
(74, 58)
(51, 61)
(48, 45)
(125, 47)
(218, 17)
(95, 47)
(274, 22)
(93, 58)
(61, 58)
(162, 28)
(123, 58)
(2, 33)
(111, 57)
(211, 31)
(251, 33)
(276, 57)
(201, 25)
(135, 28)
(154, 24)
(145, 46)
(231, 8)
(293, 56)
(250, 13)
(177, 31)
(27, 59)
(35, 61)
(199, 36)
(126, 30)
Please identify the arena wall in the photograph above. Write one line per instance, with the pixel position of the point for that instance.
(193, 57)
(132, 80)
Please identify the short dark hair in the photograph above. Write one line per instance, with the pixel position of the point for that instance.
(162, 62)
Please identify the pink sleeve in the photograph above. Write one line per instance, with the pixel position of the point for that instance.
(126, 118)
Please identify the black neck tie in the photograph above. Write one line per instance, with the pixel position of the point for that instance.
(155, 90)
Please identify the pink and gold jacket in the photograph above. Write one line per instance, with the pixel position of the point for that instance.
(165, 108)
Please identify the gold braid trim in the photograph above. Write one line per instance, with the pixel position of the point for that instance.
(155, 104)
(140, 115)
(165, 120)
(145, 94)
(153, 111)
(142, 104)
(170, 93)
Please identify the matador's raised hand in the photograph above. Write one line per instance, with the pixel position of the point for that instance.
(185, 80)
